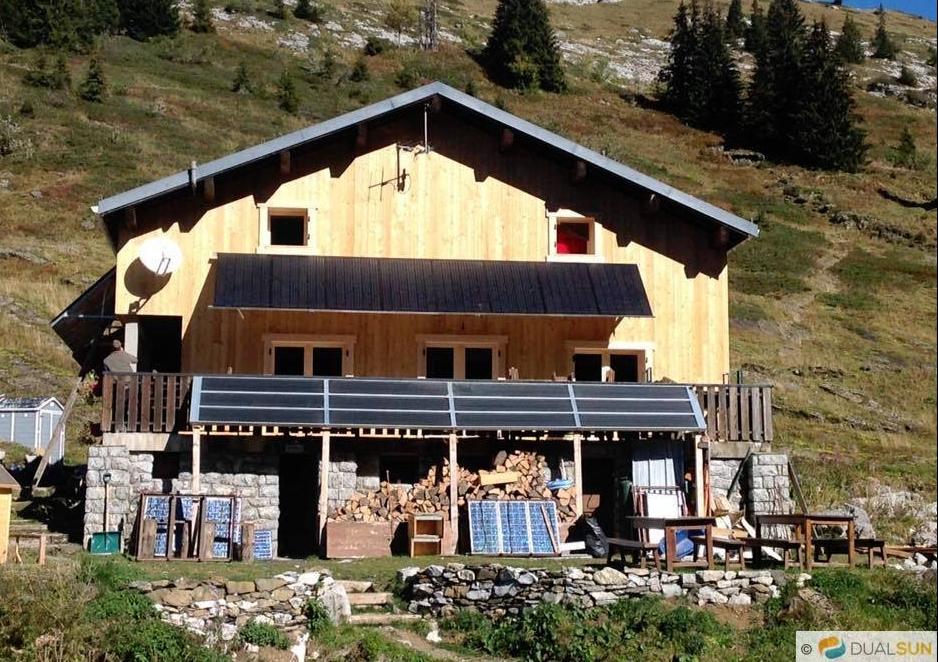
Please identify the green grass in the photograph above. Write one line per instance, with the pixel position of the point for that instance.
(778, 263)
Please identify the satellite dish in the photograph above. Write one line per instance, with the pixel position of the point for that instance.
(160, 255)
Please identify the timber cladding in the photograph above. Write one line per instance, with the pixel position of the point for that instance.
(465, 199)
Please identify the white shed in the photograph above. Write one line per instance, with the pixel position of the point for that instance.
(29, 422)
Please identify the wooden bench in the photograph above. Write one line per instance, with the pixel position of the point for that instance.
(831, 546)
(636, 548)
(756, 545)
(726, 544)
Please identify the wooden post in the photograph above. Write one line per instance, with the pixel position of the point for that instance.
(196, 460)
(247, 542)
(699, 492)
(323, 487)
(42, 549)
(6, 502)
(578, 473)
(453, 494)
(206, 540)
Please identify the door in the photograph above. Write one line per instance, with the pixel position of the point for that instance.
(299, 505)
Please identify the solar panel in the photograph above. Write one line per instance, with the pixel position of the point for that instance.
(441, 404)
(513, 527)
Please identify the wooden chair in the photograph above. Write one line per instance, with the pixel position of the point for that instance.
(787, 546)
(637, 549)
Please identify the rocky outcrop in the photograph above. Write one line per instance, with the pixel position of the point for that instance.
(498, 590)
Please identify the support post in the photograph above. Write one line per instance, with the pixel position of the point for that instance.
(196, 461)
(700, 495)
(578, 473)
(453, 494)
(132, 340)
(323, 487)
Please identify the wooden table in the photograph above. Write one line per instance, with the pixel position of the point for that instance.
(804, 524)
(671, 525)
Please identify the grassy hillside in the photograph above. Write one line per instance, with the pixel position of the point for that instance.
(835, 303)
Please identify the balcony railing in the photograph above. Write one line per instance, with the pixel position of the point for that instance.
(737, 412)
(159, 402)
(145, 402)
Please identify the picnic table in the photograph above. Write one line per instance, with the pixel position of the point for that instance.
(804, 524)
(671, 526)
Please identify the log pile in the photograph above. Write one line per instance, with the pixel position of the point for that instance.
(516, 476)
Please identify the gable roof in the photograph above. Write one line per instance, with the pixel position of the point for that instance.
(669, 194)
(28, 404)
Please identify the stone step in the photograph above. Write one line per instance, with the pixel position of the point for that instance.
(369, 599)
(382, 618)
(353, 586)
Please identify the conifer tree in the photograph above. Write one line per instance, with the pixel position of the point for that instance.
(755, 32)
(905, 153)
(63, 24)
(849, 46)
(143, 19)
(308, 11)
(56, 78)
(735, 25)
(777, 80)
(287, 97)
(826, 132)
(242, 81)
(883, 46)
(522, 43)
(92, 88)
(679, 75)
(202, 17)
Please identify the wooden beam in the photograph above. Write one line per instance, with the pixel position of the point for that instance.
(361, 138)
(453, 493)
(323, 485)
(720, 237)
(507, 139)
(196, 461)
(578, 473)
(700, 495)
(58, 432)
(285, 162)
(579, 172)
(208, 189)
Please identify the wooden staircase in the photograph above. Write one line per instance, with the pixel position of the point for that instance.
(370, 607)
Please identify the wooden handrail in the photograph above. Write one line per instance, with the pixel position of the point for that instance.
(737, 412)
(144, 402)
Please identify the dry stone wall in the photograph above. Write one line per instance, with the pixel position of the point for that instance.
(498, 590)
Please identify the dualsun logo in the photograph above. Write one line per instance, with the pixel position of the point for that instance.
(831, 647)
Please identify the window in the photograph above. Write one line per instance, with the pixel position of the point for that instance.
(285, 229)
(461, 357)
(572, 236)
(594, 362)
(312, 356)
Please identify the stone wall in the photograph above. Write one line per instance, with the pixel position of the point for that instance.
(721, 475)
(498, 590)
(768, 484)
(131, 474)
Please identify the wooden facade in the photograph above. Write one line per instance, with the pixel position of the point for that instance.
(380, 193)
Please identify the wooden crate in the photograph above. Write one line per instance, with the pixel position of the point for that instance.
(358, 540)
(425, 533)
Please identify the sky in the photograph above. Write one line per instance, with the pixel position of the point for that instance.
(924, 8)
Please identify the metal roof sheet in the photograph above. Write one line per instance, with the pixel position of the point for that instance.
(181, 179)
(402, 285)
(27, 404)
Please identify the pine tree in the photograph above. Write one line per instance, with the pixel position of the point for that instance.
(308, 11)
(723, 90)
(905, 154)
(883, 46)
(399, 16)
(57, 78)
(287, 97)
(359, 72)
(62, 24)
(523, 40)
(202, 17)
(92, 88)
(826, 132)
(735, 25)
(755, 33)
(242, 81)
(849, 46)
(143, 19)
(777, 80)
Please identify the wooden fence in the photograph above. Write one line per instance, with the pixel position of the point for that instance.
(737, 412)
(144, 402)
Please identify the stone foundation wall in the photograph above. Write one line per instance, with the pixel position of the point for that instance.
(498, 590)
(721, 475)
(768, 483)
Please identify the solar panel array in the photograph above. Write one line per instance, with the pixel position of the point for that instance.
(441, 404)
(513, 527)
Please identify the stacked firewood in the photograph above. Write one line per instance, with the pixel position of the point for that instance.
(515, 476)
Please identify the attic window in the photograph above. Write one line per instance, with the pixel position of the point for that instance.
(287, 229)
(572, 236)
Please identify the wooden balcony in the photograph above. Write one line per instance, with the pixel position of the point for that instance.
(159, 402)
(737, 412)
(145, 402)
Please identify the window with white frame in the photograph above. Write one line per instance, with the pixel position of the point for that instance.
(596, 363)
(285, 229)
(312, 356)
(572, 236)
(461, 357)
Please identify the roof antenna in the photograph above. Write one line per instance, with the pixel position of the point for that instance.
(426, 128)
(193, 176)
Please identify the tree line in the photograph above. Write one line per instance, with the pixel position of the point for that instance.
(797, 106)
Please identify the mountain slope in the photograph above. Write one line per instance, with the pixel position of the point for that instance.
(835, 302)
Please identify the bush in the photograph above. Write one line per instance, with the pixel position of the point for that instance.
(93, 87)
(57, 78)
(309, 11)
(287, 97)
(143, 19)
(242, 81)
(359, 72)
(153, 640)
(907, 77)
(123, 604)
(374, 46)
(264, 634)
(408, 77)
(317, 618)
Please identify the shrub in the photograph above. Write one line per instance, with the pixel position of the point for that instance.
(155, 640)
(905, 153)
(408, 77)
(317, 618)
(907, 77)
(374, 46)
(201, 17)
(287, 97)
(359, 71)
(143, 19)
(242, 82)
(309, 11)
(57, 78)
(264, 634)
(93, 87)
(124, 604)
(279, 10)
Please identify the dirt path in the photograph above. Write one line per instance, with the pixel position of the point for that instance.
(420, 644)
